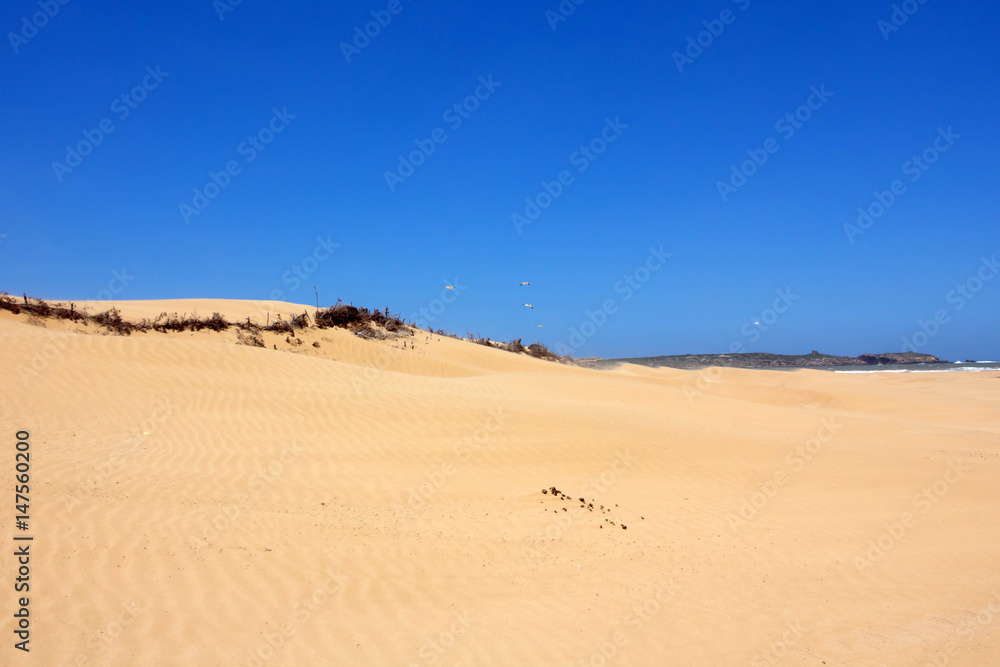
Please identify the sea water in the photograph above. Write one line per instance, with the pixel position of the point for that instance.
(958, 366)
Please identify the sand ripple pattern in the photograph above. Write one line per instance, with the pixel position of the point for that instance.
(196, 502)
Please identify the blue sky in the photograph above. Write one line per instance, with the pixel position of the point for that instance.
(643, 110)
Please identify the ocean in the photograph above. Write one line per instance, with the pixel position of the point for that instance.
(958, 366)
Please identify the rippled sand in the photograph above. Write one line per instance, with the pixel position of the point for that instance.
(198, 502)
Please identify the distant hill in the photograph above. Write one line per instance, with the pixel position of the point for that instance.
(765, 360)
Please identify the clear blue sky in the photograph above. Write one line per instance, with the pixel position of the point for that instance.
(886, 95)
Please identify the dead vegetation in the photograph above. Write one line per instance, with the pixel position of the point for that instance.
(351, 317)
(365, 323)
(369, 324)
(514, 346)
(537, 350)
(251, 338)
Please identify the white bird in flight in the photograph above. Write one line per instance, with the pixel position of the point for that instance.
(523, 284)
(528, 305)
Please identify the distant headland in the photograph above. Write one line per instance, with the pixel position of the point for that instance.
(765, 360)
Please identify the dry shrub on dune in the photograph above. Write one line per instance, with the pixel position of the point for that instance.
(370, 324)
(360, 320)
(514, 346)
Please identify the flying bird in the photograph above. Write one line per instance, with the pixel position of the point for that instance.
(523, 284)
(527, 305)
(540, 325)
(449, 287)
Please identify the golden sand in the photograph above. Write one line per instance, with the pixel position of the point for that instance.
(198, 502)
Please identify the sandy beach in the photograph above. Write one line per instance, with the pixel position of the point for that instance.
(417, 501)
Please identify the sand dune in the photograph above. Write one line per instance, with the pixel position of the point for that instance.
(199, 502)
